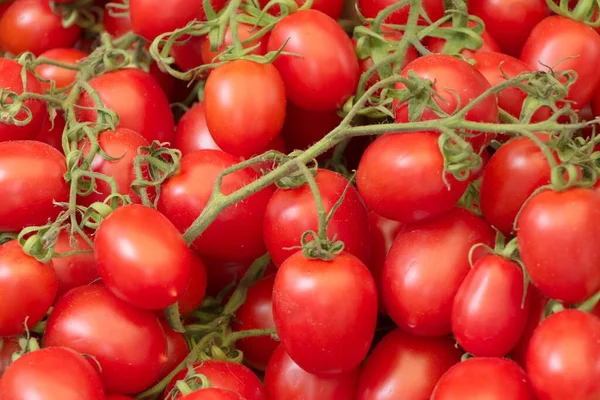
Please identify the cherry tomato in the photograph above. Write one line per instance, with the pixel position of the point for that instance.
(8, 346)
(236, 234)
(325, 312)
(116, 26)
(126, 342)
(139, 102)
(192, 133)
(177, 350)
(333, 8)
(76, 270)
(425, 267)
(537, 312)
(557, 234)
(51, 132)
(285, 380)
(193, 296)
(563, 358)
(62, 77)
(438, 45)
(326, 73)
(245, 32)
(370, 8)
(54, 373)
(302, 128)
(213, 394)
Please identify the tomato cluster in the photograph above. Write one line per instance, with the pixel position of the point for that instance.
(281, 200)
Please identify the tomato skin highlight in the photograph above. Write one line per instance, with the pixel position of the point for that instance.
(61, 76)
(76, 270)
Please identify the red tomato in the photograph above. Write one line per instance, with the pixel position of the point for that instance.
(213, 394)
(537, 313)
(563, 359)
(437, 45)
(302, 128)
(558, 236)
(116, 26)
(193, 296)
(595, 104)
(177, 350)
(136, 97)
(192, 133)
(244, 103)
(118, 397)
(484, 378)
(564, 44)
(406, 367)
(54, 373)
(245, 32)
(30, 25)
(188, 54)
(425, 267)
(31, 179)
(510, 21)
(76, 270)
(62, 76)
(237, 233)
(370, 8)
(333, 8)
(142, 258)
(168, 83)
(285, 380)
(326, 73)
(126, 342)
(220, 273)
(325, 312)
(4, 6)
(51, 133)
(8, 346)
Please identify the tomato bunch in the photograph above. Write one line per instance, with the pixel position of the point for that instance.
(255, 200)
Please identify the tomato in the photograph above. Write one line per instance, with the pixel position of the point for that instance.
(192, 133)
(142, 258)
(213, 394)
(326, 73)
(563, 359)
(595, 104)
(236, 234)
(457, 83)
(484, 378)
(10, 79)
(116, 26)
(285, 380)
(118, 397)
(437, 45)
(8, 346)
(193, 296)
(564, 44)
(245, 32)
(425, 267)
(54, 373)
(510, 21)
(329, 303)
(257, 313)
(244, 104)
(126, 342)
(139, 102)
(537, 312)
(30, 25)
(177, 350)
(302, 128)
(188, 54)
(4, 6)
(333, 8)
(220, 273)
(557, 234)
(52, 132)
(76, 270)
(61, 76)
(226, 376)
(370, 8)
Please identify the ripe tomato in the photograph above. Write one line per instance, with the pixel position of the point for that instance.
(151, 117)
(142, 258)
(177, 350)
(52, 132)
(537, 312)
(8, 346)
(412, 189)
(564, 44)
(236, 234)
(332, 303)
(31, 179)
(188, 54)
(370, 8)
(302, 128)
(193, 296)
(333, 8)
(406, 367)
(127, 342)
(292, 212)
(30, 25)
(245, 32)
(436, 45)
(192, 133)
(557, 234)
(244, 104)
(425, 267)
(213, 394)
(484, 378)
(326, 73)
(220, 273)
(76, 270)
(116, 26)
(53, 373)
(595, 104)
(563, 357)
(62, 76)
(285, 380)
(118, 397)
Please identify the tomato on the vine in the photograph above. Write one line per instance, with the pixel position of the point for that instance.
(436, 45)
(245, 32)
(370, 8)
(62, 77)
(51, 131)
(75, 270)
(537, 312)
(192, 133)
(177, 350)
(333, 8)
(116, 26)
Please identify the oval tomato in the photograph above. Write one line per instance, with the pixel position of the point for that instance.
(192, 133)
(8, 346)
(76, 270)
(116, 26)
(438, 45)
(245, 32)
(62, 77)
(51, 132)
(177, 350)
(193, 296)
(370, 8)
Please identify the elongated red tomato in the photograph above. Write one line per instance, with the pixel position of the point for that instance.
(62, 77)
(126, 342)
(558, 236)
(326, 73)
(285, 380)
(76, 270)
(53, 373)
(325, 312)
(370, 8)
(116, 26)
(192, 133)
(405, 366)
(236, 234)
(563, 359)
(31, 180)
(142, 258)
(425, 267)
(439, 45)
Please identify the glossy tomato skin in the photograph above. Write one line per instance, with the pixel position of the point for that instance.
(193, 295)
(564, 44)
(30, 25)
(406, 366)
(61, 76)
(116, 26)
(436, 45)
(119, 91)
(7, 349)
(142, 258)
(484, 378)
(370, 9)
(127, 342)
(285, 380)
(563, 359)
(51, 132)
(213, 394)
(53, 373)
(177, 350)
(244, 104)
(425, 267)
(326, 73)
(325, 312)
(31, 179)
(558, 235)
(537, 313)
(291, 212)
(236, 234)
(76, 270)
(245, 32)
(192, 133)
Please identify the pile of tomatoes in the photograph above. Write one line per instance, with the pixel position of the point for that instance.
(253, 200)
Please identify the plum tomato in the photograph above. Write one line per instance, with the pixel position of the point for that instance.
(116, 26)
(245, 32)
(192, 133)
(75, 270)
(213, 394)
(62, 77)
(333, 8)
(177, 350)
(370, 8)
